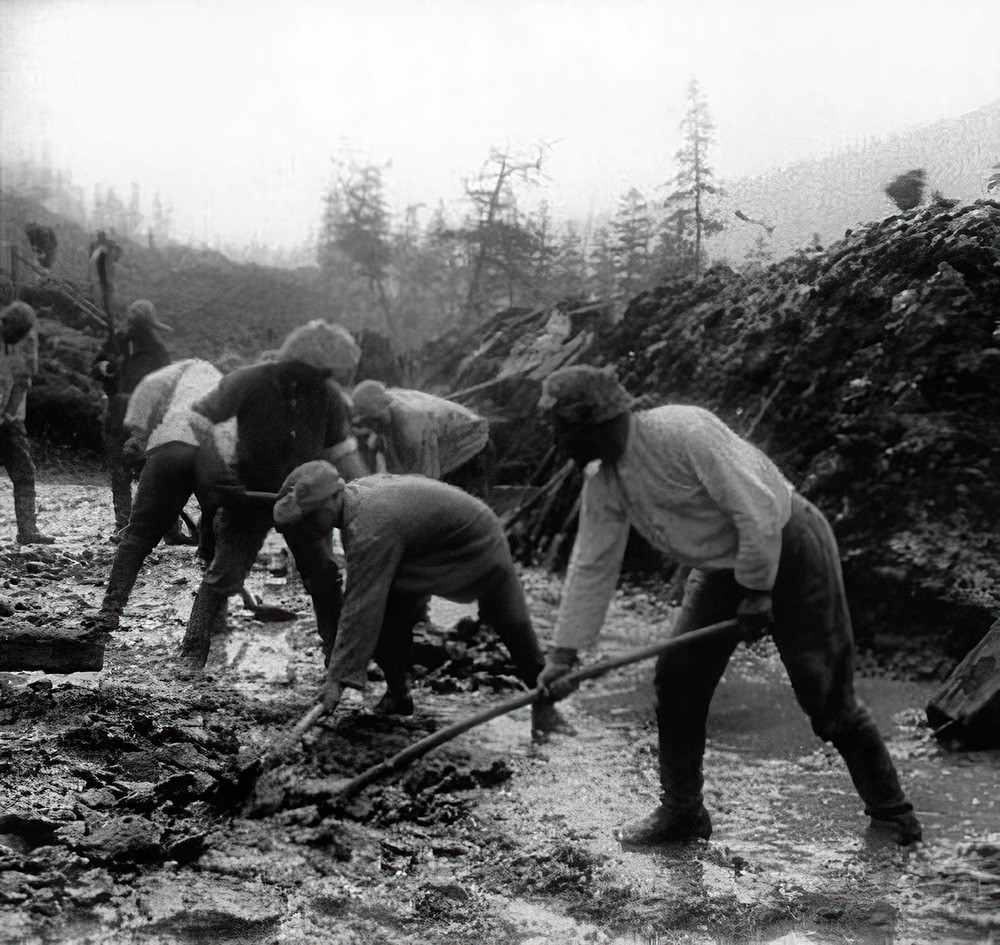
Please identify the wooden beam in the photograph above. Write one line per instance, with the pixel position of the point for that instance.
(25, 647)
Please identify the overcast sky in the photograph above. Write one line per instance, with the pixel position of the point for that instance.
(233, 109)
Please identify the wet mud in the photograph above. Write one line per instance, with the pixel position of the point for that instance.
(126, 816)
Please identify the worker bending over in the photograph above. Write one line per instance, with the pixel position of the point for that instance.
(405, 538)
(287, 411)
(410, 431)
(760, 552)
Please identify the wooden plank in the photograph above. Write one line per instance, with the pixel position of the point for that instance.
(967, 705)
(25, 647)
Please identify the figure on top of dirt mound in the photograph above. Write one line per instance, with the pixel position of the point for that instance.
(18, 365)
(287, 411)
(140, 350)
(760, 552)
(406, 538)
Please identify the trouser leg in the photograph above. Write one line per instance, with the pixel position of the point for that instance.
(311, 546)
(814, 636)
(394, 650)
(15, 454)
(503, 607)
(115, 436)
(239, 535)
(165, 485)
(685, 682)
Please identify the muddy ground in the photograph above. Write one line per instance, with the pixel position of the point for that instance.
(122, 818)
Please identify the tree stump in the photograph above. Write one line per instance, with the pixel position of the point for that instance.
(24, 647)
(967, 705)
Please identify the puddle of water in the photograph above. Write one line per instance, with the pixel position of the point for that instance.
(754, 714)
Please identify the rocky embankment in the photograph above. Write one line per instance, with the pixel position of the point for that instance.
(870, 371)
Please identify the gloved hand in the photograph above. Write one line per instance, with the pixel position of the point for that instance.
(558, 663)
(133, 452)
(754, 615)
(330, 695)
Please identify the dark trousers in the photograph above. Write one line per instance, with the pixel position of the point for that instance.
(15, 454)
(166, 483)
(239, 528)
(812, 630)
(501, 606)
(115, 436)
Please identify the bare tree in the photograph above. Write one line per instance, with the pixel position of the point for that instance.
(495, 233)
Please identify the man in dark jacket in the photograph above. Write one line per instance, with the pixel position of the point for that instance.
(406, 538)
(140, 352)
(287, 412)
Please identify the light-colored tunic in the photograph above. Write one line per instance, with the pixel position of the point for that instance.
(694, 490)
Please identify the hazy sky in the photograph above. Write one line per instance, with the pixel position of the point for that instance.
(233, 109)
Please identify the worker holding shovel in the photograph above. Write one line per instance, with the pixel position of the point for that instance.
(759, 552)
(405, 538)
(288, 411)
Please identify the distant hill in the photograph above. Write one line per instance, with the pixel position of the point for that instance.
(215, 305)
(827, 196)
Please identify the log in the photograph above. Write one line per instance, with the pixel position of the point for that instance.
(24, 647)
(967, 705)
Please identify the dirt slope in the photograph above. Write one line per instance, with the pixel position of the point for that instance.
(870, 371)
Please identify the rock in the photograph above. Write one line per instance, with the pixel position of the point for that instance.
(215, 912)
(123, 840)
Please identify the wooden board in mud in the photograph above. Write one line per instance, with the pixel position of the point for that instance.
(967, 706)
(25, 647)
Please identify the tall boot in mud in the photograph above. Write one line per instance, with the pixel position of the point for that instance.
(124, 571)
(681, 814)
(208, 610)
(874, 776)
(24, 512)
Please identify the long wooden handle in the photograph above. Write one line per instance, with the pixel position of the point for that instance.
(399, 761)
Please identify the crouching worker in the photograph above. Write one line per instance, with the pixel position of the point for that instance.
(405, 538)
(760, 552)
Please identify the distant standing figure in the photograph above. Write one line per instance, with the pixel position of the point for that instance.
(18, 365)
(104, 253)
(140, 351)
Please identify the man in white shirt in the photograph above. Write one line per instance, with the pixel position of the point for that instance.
(759, 552)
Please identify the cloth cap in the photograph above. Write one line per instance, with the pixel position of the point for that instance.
(583, 396)
(371, 399)
(323, 346)
(306, 488)
(18, 318)
(142, 312)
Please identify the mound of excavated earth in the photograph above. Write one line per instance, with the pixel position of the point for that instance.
(870, 371)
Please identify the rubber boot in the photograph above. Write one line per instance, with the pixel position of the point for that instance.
(24, 512)
(124, 571)
(209, 605)
(666, 824)
(397, 699)
(874, 775)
